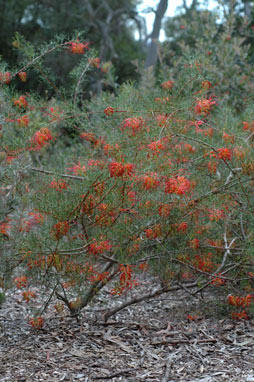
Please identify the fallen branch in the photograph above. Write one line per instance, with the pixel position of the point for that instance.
(181, 341)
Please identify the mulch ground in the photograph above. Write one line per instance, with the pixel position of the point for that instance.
(152, 341)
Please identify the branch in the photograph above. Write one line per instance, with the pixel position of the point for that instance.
(145, 297)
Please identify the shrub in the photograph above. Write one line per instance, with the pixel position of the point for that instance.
(158, 181)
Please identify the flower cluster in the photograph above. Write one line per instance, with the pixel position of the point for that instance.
(118, 169)
(179, 185)
(78, 47)
(41, 138)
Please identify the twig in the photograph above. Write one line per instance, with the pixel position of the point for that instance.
(53, 173)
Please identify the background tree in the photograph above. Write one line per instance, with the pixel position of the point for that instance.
(108, 25)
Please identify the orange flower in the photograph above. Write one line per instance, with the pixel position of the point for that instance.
(194, 243)
(78, 47)
(240, 300)
(162, 119)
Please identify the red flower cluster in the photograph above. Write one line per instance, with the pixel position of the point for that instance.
(23, 121)
(99, 247)
(58, 185)
(168, 85)
(224, 153)
(179, 185)
(117, 169)
(109, 111)
(21, 282)
(149, 181)
(135, 124)
(36, 322)
(20, 102)
(203, 106)
(41, 138)
(5, 78)
(78, 47)
(240, 301)
(60, 229)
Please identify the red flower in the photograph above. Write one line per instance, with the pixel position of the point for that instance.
(182, 227)
(5, 78)
(20, 102)
(60, 229)
(78, 47)
(150, 181)
(99, 247)
(179, 185)
(21, 282)
(203, 106)
(224, 153)
(168, 85)
(23, 121)
(95, 62)
(206, 84)
(41, 138)
(119, 169)
(58, 185)
(164, 210)
(135, 124)
(109, 111)
(36, 322)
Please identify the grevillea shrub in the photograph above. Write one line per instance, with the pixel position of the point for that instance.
(157, 181)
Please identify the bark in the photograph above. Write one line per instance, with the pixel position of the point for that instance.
(152, 53)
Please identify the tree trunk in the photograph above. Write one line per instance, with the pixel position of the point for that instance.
(247, 9)
(152, 52)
